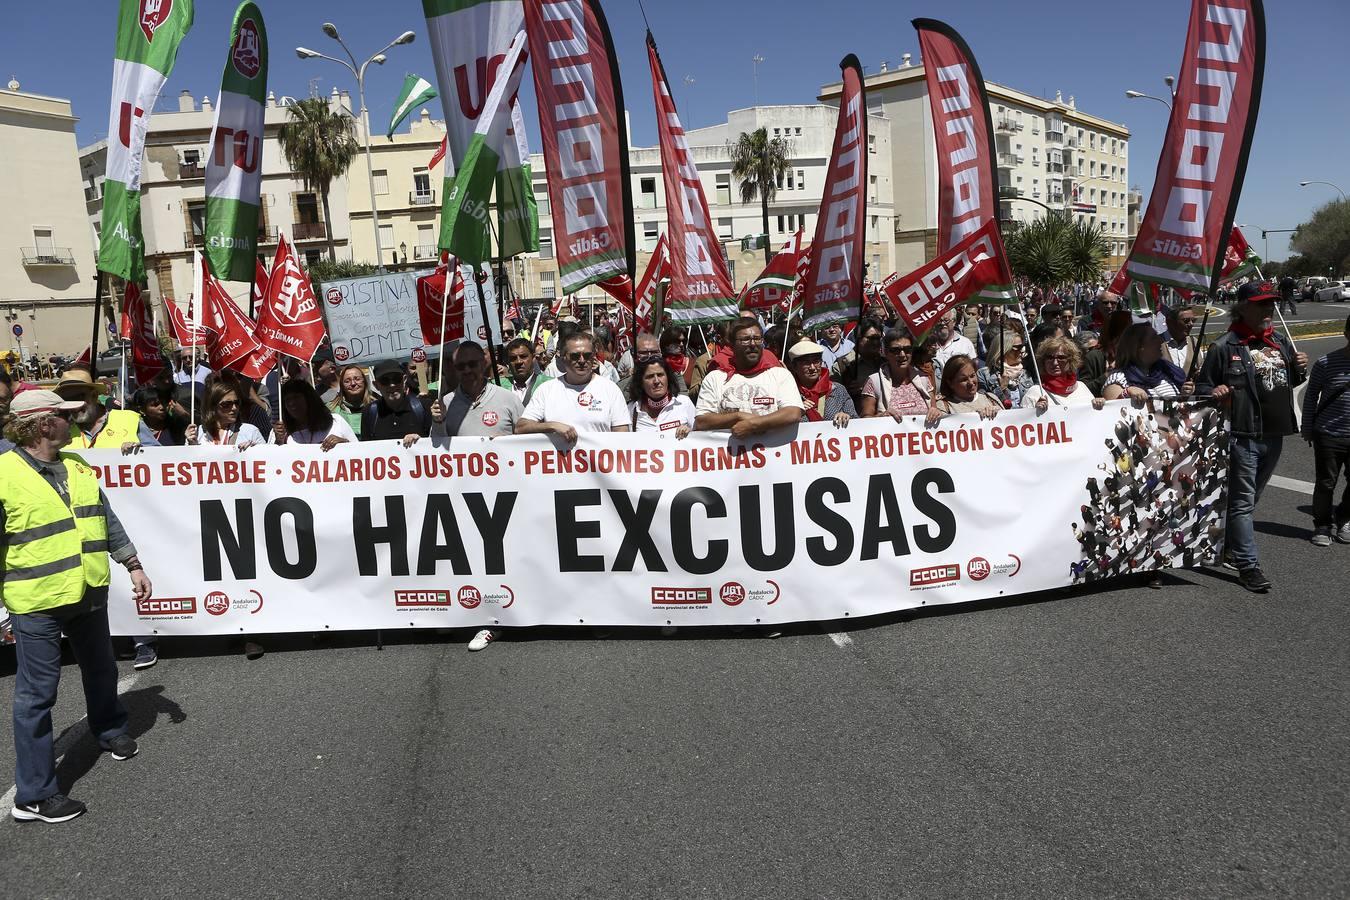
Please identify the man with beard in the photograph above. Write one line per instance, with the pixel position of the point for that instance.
(947, 342)
(748, 393)
(95, 425)
(395, 415)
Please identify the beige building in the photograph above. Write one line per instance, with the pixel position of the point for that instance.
(47, 276)
(173, 195)
(1049, 154)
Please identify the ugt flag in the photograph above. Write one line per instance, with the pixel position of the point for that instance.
(234, 159)
(148, 35)
(289, 320)
(416, 90)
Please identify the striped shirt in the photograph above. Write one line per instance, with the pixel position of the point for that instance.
(1328, 374)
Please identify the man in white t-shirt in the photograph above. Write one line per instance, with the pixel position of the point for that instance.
(947, 342)
(580, 400)
(757, 396)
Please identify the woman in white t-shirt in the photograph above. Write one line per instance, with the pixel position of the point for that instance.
(221, 425)
(306, 420)
(652, 405)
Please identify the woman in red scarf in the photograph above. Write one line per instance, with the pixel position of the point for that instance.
(824, 399)
(1058, 360)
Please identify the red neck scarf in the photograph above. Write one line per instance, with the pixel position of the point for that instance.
(726, 361)
(1248, 334)
(1061, 385)
(680, 363)
(815, 393)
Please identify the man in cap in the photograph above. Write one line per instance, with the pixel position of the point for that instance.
(95, 425)
(395, 415)
(56, 534)
(1253, 370)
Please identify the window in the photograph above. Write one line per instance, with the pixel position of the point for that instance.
(541, 201)
(871, 143)
(780, 224)
(798, 131)
(724, 229)
(545, 243)
(872, 188)
(801, 179)
(647, 188)
(196, 211)
(778, 132)
(387, 242)
(724, 189)
(791, 180)
(650, 235)
(426, 242)
(421, 182)
(192, 157)
(1092, 140)
(875, 222)
(381, 181)
(546, 285)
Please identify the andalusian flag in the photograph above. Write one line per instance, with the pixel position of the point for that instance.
(234, 157)
(416, 90)
(148, 35)
(464, 217)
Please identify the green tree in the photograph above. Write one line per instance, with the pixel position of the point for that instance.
(1053, 252)
(319, 145)
(1325, 238)
(758, 162)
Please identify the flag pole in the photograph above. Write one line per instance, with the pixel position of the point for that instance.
(1030, 351)
(1199, 343)
(1280, 313)
(450, 272)
(194, 311)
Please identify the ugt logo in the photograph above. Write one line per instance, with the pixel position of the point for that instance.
(247, 51)
(154, 13)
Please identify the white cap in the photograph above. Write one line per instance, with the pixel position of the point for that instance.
(804, 348)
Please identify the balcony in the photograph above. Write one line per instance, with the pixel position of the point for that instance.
(422, 198)
(1008, 160)
(191, 170)
(1008, 192)
(47, 256)
(425, 251)
(308, 231)
(1007, 126)
(1054, 137)
(1072, 143)
(1055, 168)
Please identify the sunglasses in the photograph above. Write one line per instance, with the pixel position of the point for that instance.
(228, 404)
(1014, 351)
(905, 348)
(579, 357)
(508, 334)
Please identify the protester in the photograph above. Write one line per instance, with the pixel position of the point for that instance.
(1288, 301)
(652, 404)
(604, 367)
(649, 348)
(252, 409)
(220, 422)
(477, 407)
(1142, 369)
(164, 429)
(1058, 359)
(824, 399)
(95, 425)
(6, 396)
(523, 375)
(748, 392)
(1097, 360)
(354, 395)
(1004, 377)
(191, 367)
(959, 392)
(854, 368)
(1107, 302)
(326, 378)
(1181, 347)
(1045, 331)
(580, 400)
(1326, 425)
(56, 534)
(306, 420)
(395, 415)
(675, 349)
(948, 342)
(1254, 371)
(836, 345)
(899, 387)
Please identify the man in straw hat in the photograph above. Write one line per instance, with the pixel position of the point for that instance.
(56, 534)
(95, 425)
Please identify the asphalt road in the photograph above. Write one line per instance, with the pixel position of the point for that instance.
(1183, 742)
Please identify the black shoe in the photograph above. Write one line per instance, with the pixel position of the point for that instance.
(56, 808)
(122, 747)
(1228, 562)
(146, 656)
(1253, 580)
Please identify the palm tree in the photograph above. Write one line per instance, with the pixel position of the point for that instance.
(319, 145)
(1054, 251)
(758, 163)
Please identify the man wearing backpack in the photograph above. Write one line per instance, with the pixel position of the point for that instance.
(1326, 425)
(396, 415)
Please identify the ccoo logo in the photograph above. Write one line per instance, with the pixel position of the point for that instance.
(469, 597)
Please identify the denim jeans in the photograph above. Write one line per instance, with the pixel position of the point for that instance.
(37, 639)
(1251, 462)
(1331, 457)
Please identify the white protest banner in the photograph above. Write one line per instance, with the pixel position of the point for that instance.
(374, 317)
(644, 529)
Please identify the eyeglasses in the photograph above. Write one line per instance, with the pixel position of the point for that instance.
(750, 342)
(901, 348)
(578, 357)
(1056, 357)
(228, 404)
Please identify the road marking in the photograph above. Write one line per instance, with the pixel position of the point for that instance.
(1292, 484)
(124, 684)
(841, 640)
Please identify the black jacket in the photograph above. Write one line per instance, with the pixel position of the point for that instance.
(1227, 361)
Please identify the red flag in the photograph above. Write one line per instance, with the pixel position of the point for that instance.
(289, 319)
(556, 306)
(657, 271)
(930, 290)
(514, 312)
(146, 357)
(260, 278)
(700, 288)
(964, 133)
(439, 155)
(580, 103)
(431, 295)
(778, 280)
(1183, 233)
(85, 357)
(620, 287)
(575, 308)
(230, 342)
(183, 331)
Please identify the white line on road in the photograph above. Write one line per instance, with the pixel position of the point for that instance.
(841, 640)
(1292, 484)
(124, 684)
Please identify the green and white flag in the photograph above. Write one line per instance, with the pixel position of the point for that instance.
(416, 90)
(148, 35)
(468, 40)
(464, 216)
(234, 157)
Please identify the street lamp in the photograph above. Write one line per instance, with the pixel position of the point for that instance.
(359, 72)
(1327, 183)
(756, 60)
(1139, 95)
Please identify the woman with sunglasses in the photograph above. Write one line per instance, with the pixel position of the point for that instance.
(653, 405)
(898, 387)
(1058, 359)
(1003, 376)
(305, 420)
(221, 425)
(354, 395)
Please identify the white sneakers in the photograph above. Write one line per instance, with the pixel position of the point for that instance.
(482, 639)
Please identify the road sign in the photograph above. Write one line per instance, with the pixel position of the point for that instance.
(18, 331)
(112, 328)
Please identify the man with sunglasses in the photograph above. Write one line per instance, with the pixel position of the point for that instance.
(477, 408)
(1181, 347)
(395, 415)
(56, 534)
(581, 400)
(1107, 302)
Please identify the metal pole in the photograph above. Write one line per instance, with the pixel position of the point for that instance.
(93, 338)
(370, 167)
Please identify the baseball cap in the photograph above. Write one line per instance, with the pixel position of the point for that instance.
(41, 403)
(386, 368)
(804, 348)
(1256, 292)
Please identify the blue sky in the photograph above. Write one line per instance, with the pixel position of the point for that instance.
(1093, 50)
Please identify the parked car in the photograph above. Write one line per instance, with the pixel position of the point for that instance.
(1333, 292)
(1309, 286)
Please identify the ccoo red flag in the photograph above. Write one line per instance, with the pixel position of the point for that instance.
(930, 290)
(289, 319)
(657, 271)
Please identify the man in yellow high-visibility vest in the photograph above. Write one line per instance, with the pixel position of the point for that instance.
(57, 532)
(95, 425)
